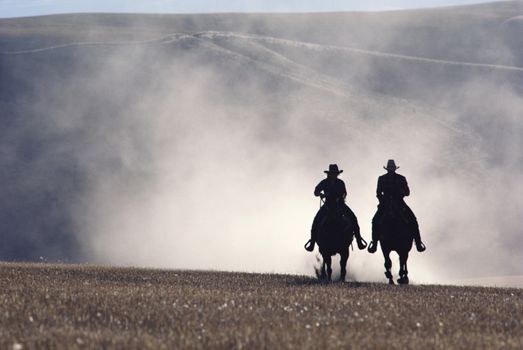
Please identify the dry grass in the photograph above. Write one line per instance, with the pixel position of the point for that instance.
(67, 306)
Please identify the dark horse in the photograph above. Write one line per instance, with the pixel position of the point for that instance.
(394, 235)
(334, 237)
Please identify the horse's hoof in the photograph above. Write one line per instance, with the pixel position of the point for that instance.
(391, 282)
(403, 280)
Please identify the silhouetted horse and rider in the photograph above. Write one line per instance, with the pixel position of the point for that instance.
(335, 224)
(394, 225)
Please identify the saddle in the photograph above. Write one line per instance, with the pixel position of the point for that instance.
(330, 212)
(335, 211)
(393, 208)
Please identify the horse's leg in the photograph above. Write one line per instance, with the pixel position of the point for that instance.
(343, 263)
(323, 269)
(388, 265)
(404, 278)
(328, 262)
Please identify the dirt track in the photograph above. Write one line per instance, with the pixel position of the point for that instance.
(71, 306)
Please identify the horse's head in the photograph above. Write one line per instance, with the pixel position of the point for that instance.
(335, 219)
(390, 209)
(333, 207)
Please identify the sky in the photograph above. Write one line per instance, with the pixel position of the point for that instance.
(21, 8)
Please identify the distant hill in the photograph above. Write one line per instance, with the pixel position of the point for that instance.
(142, 139)
(454, 33)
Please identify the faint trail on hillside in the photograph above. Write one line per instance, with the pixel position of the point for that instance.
(292, 71)
(274, 40)
(273, 62)
(280, 65)
(318, 47)
(163, 39)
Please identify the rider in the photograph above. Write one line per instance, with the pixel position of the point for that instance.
(334, 192)
(394, 187)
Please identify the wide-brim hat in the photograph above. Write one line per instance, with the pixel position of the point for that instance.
(391, 165)
(333, 169)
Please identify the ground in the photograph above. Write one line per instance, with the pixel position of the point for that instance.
(82, 306)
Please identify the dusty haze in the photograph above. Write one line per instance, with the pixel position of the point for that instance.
(195, 141)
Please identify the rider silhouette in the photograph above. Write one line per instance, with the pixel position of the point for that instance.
(391, 189)
(334, 192)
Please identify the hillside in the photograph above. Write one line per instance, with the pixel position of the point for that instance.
(77, 306)
(194, 141)
(453, 33)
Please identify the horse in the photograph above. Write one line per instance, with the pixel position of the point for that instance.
(395, 235)
(334, 237)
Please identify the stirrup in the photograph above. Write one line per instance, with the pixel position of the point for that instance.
(362, 244)
(309, 246)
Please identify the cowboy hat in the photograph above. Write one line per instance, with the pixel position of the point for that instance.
(333, 169)
(391, 165)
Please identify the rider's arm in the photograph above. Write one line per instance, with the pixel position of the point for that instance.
(318, 189)
(344, 194)
(406, 189)
(379, 191)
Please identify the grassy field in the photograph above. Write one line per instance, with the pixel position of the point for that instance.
(76, 306)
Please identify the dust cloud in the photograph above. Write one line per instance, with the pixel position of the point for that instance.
(201, 150)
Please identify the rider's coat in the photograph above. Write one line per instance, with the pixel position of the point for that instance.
(392, 186)
(335, 193)
(333, 190)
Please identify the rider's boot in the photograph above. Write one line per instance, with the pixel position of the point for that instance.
(420, 246)
(361, 242)
(373, 246)
(417, 238)
(309, 246)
